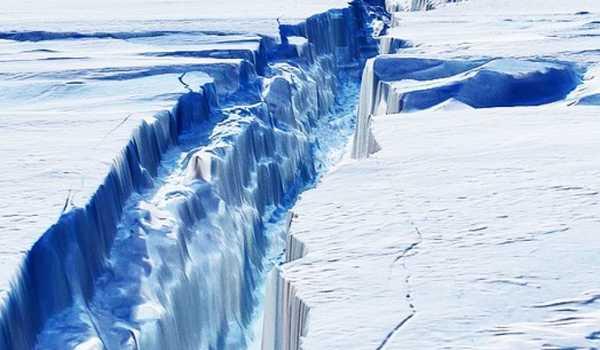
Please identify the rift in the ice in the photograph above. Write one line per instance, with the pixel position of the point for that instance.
(168, 252)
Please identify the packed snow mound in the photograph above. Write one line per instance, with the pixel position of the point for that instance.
(591, 100)
(499, 83)
(393, 68)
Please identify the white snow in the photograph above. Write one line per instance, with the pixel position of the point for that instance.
(477, 218)
(136, 13)
(459, 227)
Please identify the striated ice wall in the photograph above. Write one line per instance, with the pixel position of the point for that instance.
(61, 268)
(168, 252)
(285, 314)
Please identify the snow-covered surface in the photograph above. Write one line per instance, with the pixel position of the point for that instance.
(490, 29)
(484, 221)
(461, 227)
(140, 14)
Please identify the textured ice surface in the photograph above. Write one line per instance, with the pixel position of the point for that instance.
(67, 108)
(484, 221)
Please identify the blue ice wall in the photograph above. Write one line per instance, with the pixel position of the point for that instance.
(61, 267)
(168, 251)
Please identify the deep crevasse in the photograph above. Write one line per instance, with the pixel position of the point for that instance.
(168, 252)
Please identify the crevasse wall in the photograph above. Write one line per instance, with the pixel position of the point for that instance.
(364, 143)
(168, 251)
(60, 268)
(285, 314)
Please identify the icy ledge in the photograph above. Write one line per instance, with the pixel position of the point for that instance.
(168, 252)
(393, 84)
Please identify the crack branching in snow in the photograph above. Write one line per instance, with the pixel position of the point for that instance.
(406, 252)
(185, 85)
(116, 127)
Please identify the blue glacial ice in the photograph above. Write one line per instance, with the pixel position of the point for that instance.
(169, 251)
(394, 84)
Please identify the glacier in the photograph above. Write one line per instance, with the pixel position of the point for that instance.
(166, 245)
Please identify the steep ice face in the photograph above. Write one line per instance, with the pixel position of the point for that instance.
(364, 143)
(449, 59)
(170, 250)
(88, 95)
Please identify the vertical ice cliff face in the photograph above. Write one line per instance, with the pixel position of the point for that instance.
(61, 268)
(169, 251)
(364, 143)
(389, 44)
(285, 314)
(304, 298)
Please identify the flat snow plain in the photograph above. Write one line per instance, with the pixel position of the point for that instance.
(69, 105)
(470, 228)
